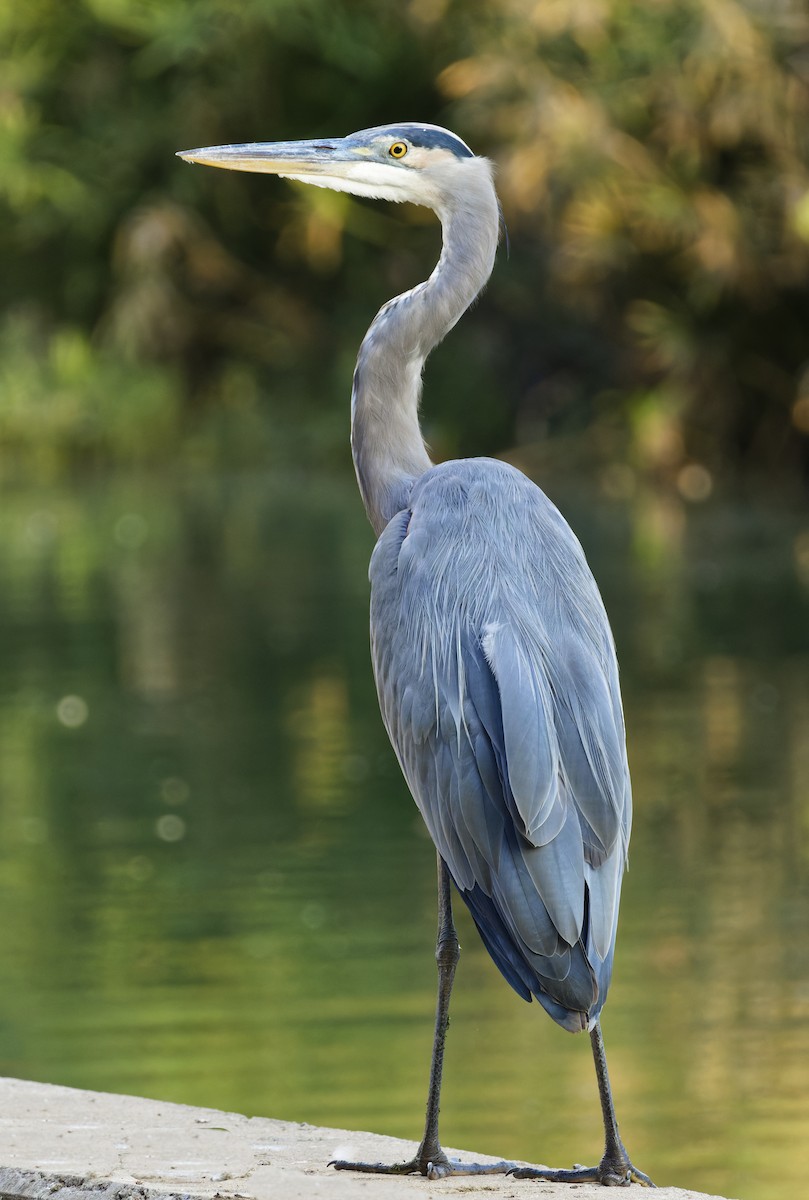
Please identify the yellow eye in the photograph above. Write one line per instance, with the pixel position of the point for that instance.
(398, 150)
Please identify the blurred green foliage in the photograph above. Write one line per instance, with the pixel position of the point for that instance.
(653, 166)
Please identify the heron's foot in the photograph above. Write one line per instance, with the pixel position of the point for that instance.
(433, 1165)
(609, 1172)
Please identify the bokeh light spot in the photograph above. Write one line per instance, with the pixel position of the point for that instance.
(72, 711)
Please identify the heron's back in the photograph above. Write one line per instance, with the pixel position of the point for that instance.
(498, 685)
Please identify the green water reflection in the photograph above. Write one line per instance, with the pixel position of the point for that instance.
(216, 889)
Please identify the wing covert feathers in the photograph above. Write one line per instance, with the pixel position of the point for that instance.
(498, 685)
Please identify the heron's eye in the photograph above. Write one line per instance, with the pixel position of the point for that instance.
(398, 150)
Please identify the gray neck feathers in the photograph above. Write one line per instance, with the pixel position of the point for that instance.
(386, 442)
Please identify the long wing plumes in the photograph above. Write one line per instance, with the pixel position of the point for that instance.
(498, 685)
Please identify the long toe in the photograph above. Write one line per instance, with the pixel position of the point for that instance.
(404, 1168)
(607, 1173)
(456, 1167)
(554, 1175)
(438, 1167)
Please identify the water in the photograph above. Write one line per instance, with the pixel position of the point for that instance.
(217, 889)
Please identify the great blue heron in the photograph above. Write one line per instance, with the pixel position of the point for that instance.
(493, 656)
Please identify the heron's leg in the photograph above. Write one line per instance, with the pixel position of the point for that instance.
(447, 954)
(616, 1163)
(430, 1158)
(616, 1167)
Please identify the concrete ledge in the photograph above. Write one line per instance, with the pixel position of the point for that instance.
(58, 1143)
(33, 1185)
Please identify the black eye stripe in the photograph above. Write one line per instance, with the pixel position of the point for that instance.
(422, 136)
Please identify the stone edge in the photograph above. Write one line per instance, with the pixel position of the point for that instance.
(16, 1184)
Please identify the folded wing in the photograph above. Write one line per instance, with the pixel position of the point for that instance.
(511, 742)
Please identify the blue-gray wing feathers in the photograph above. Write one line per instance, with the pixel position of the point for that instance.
(498, 685)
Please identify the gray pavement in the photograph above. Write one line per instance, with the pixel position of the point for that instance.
(58, 1143)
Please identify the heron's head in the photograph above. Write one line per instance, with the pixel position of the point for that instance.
(423, 164)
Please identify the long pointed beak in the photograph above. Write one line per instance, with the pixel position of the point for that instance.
(278, 158)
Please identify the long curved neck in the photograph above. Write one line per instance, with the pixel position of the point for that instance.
(386, 442)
